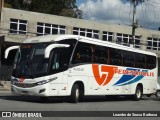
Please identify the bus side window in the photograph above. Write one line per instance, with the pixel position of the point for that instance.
(55, 60)
(128, 59)
(83, 53)
(139, 60)
(115, 56)
(100, 55)
(151, 62)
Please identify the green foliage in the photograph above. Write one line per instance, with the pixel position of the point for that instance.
(7, 5)
(16, 4)
(67, 12)
(56, 7)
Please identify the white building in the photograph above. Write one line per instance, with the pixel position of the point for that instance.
(17, 25)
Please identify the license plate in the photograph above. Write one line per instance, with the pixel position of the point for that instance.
(25, 92)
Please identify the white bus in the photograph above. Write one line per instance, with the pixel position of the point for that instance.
(76, 66)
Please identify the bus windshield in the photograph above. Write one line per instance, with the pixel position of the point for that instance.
(30, 61)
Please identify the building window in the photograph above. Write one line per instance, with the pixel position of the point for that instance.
(153, 43)
(46, 28)
(107, 36)
(18, 26)
(137, 42)
(125, 39)
(100, 54)
(86, 32)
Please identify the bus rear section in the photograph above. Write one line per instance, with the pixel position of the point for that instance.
(115, 70)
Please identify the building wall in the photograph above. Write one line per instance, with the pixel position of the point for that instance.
(70, 23)
(33, 18)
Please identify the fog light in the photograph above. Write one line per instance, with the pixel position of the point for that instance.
(12, 89)
(42, 90)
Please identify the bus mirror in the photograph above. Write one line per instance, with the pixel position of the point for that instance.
(65, 65)
(52, 46)
(9, 49)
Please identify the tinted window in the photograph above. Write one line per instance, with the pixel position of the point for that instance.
(83, 53)
(115, 56)
(69, 51)
(100, 54)
(128, 59)
(59, 59)
(139, 60)
(150, 62)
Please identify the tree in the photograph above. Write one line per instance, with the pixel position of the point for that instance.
(42, 6)
(7, 5)
(70, 4)
(26, 3)
(70, 9)
(56, 7)
(16, 4)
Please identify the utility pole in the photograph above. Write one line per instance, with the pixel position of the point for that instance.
(134, 20)
(1, 5)
(28, 2)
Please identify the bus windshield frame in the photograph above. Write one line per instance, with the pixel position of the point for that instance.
(30, 61)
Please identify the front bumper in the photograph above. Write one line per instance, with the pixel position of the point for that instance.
(40, 90)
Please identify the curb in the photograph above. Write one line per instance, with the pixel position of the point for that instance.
(5, 85)
(5, 89)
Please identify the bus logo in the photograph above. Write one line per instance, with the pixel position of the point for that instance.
(103, 74)
(21, 79)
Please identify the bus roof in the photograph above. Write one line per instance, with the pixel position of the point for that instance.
(50, 38)
(53, 38)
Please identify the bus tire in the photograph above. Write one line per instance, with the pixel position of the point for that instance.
(138, 93)
(157, 94)
(75, 94)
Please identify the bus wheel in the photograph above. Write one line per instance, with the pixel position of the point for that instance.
(138, 93)
(157, 94)
(75, 93)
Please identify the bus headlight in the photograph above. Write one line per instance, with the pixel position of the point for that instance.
(14, 81)
(46, 81)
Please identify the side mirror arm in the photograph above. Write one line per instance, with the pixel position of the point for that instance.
(9, 49)
(52, 46)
